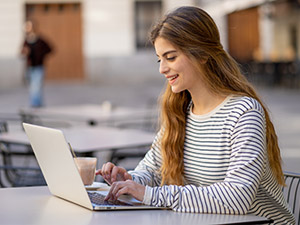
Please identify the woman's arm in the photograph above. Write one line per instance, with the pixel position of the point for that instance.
(134, 182)
(148, 170)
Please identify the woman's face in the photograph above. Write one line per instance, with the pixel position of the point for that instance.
(176, 66)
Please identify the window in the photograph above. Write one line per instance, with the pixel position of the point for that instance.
(146, 13)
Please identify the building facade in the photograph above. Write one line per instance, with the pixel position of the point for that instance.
(98, 40)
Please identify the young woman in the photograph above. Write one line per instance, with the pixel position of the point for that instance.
(216, 151)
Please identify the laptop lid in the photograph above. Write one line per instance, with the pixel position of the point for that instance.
(57, 164)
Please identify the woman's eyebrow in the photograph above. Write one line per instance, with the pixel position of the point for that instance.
(166, 53)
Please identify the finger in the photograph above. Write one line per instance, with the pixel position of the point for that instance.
(127, 176)
(132, 188)
(114, 173)
(123, 190)
(99, 172)
(115, 189)
(106, 170)
(117, 174)
(110, 194)
(103, 171)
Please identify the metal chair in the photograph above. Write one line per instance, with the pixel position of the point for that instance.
(18, 167)
(291, 193)
(31, 118)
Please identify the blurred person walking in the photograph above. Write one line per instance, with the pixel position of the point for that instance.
(35, 49)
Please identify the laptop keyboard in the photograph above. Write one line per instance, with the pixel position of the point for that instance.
(98, 199)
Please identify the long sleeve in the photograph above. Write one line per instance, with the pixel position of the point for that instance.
(226, 167)
(235, 194)
(148, 170)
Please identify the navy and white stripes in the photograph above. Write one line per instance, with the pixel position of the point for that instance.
(226, 169)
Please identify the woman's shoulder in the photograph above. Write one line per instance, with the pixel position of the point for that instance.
(244, 103)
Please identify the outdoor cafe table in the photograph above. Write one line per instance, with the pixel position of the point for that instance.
(36, 206)
(91, 113)
(86, 140)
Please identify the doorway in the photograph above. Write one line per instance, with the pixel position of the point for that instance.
(61, 25)
(243, 34)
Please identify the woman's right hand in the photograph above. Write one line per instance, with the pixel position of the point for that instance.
(112, 173)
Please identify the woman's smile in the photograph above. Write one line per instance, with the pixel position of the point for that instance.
(172, 78)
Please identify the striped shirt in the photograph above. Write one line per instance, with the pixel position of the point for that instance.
(226, 168)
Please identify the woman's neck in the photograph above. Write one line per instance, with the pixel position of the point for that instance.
(205, 101)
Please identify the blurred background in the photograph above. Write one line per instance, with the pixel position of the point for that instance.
(101, 54)
(95, 40)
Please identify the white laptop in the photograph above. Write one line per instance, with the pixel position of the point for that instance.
(62, 176)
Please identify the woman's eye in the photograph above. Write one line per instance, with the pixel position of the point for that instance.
(171, 58)
(168, 58)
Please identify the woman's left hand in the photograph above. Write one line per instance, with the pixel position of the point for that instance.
(126, 187)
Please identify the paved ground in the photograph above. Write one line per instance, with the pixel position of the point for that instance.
(283, 103)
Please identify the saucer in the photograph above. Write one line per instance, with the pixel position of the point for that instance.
(96, 185)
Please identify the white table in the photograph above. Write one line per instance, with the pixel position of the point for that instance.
(87, 141)
(36, 206)
(91, 139)
(91, 113)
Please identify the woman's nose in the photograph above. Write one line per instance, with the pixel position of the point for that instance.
(163, 67)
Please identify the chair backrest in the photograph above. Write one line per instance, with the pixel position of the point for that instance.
(26, 172)
(3, 126)
(291, 193)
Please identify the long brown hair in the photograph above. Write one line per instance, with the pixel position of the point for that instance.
(194, 32)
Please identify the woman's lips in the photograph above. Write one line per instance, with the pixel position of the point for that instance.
(172, 78)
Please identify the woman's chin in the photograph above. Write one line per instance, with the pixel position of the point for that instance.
(176, 90)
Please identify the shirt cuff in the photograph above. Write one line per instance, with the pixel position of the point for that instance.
(147, 195)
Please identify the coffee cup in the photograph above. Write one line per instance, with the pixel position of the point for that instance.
(87, 168)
